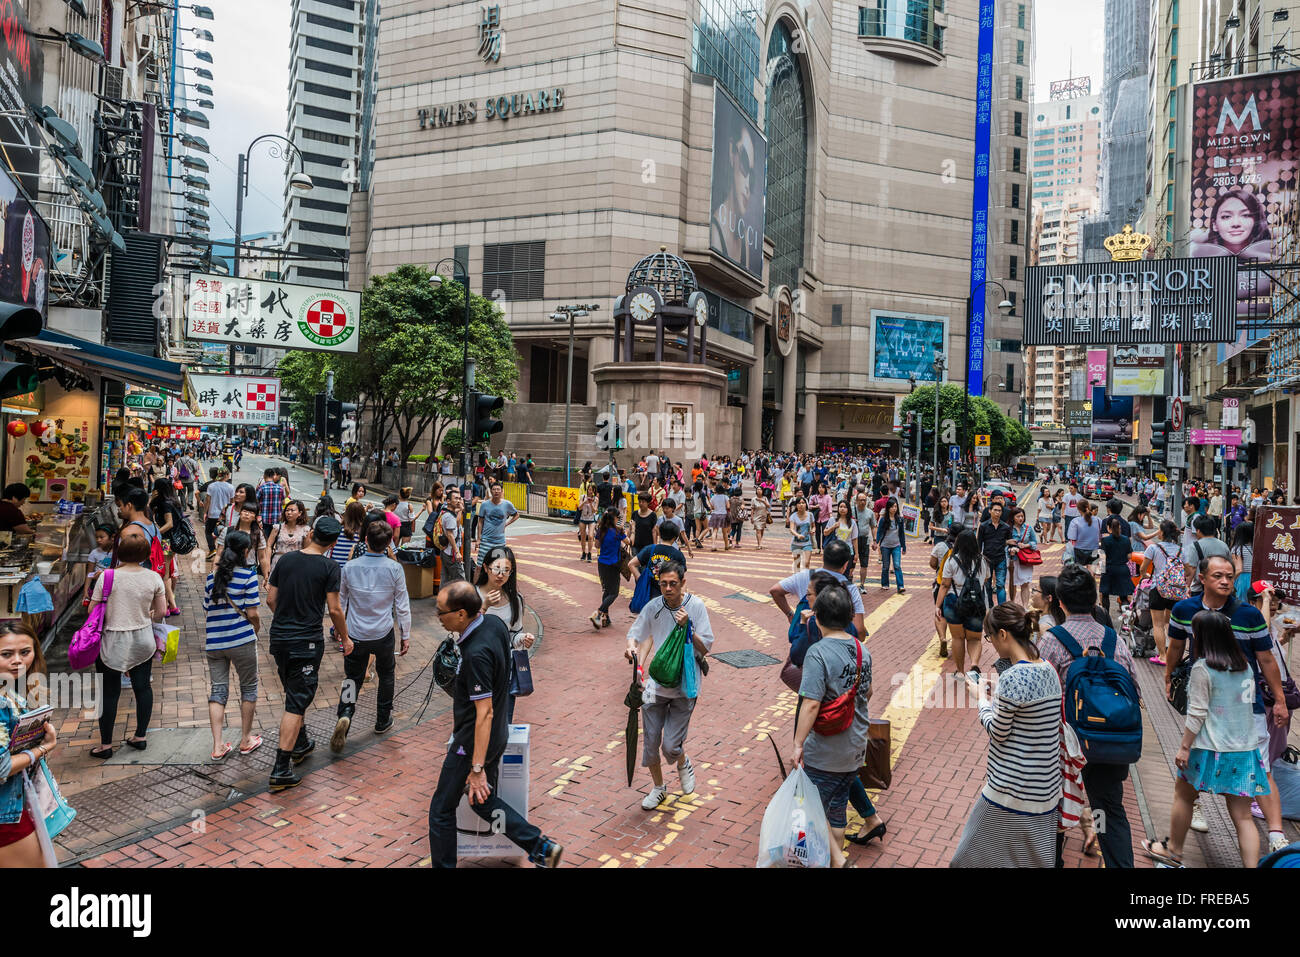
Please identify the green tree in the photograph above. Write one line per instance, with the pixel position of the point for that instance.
(408, 372)
(982, 417)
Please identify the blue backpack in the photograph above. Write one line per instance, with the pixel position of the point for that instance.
(1101, 701)
(641, 593)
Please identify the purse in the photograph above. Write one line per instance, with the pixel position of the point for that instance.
(876, 772)
(1029, 556)
(836, 716)
(84, 649)
(791, 675)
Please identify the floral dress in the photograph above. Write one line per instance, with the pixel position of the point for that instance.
(288, 541)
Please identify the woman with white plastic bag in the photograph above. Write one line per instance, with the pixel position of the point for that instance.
(32, 811)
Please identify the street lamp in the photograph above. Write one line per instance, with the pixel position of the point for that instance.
(939, 365)
(561, 314)
(1007, 308)
(460, 273)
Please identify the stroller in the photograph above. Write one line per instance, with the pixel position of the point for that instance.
(1135, 622)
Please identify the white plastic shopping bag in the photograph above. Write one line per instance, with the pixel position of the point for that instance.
(794, 831)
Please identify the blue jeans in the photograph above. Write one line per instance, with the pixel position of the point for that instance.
(1000, 575)
(887, 555)
(859, 799)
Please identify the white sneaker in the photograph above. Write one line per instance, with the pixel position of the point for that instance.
(655, 797)
(686, 773)
(1198, 819)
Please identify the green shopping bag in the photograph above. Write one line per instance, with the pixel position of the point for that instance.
(666, 668)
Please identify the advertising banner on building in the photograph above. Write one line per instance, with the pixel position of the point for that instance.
(1097, 367)
(1276, 557)
(1245, 159)
(979, 217)
(24, 247)
(903, 345)
(1112, 418)
(280, 315)
(739, 180)
(22, 71)
(1078, 416)
(228, 400)
(1131, 302)
(1138, 370)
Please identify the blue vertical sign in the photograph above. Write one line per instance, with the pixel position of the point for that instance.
(979, 233)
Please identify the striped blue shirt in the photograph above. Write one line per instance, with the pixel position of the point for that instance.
(342, 549)
(226, 627)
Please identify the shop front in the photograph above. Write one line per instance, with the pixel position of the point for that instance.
(857, 426)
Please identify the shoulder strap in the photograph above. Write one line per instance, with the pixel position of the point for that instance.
(108, 584)
(1199, 555)
(1108, 642)
(1066, 640)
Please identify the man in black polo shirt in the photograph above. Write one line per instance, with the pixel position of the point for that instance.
(479, 732)
(303, 585)
(993, 537)
(606, 491)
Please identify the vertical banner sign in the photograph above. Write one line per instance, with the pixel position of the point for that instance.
(1276, 556)
(1096, 367)
(979, 232)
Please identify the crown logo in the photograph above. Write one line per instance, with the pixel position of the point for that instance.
(1126, 245)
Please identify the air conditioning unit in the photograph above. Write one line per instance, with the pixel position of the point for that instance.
(144, 42)
(114, 82)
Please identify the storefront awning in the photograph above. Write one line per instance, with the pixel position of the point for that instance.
(130, 367)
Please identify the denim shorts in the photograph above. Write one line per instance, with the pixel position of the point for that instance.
(833, 786)
(951, 617)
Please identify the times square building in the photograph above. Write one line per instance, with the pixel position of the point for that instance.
(811, 163)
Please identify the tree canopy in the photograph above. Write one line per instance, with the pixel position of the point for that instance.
(408, 374)
(1008, 437)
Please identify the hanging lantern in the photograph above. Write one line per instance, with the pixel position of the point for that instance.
(17, 428)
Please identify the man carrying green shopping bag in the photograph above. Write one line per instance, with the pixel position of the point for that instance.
(663, 626)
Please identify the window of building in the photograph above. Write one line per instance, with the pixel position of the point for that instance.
(837, 315)
(330, 24)
(345, 4)
(326, 137)
(461, 255)
(726, 46)
(1020, 52)
(1015, 195)
(327, 114)
(786, 126)
(323, 228)
(333, 162)
(321, 90)
(1015, 231)
(1018, 124)
(329, 275)
(1020, 88)
(1013, 267)
(324, 206)
(320, 66)
(1020, 16)
(516, 269)
(911, 20)
(1016, 159)
(329, 45)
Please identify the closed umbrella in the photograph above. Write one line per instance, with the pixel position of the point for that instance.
(633, 732)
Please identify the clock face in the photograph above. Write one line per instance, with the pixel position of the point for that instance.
(701, 312)
(643, 306)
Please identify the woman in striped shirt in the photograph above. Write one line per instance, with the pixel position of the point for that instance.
(231, 600)
(1013, 823)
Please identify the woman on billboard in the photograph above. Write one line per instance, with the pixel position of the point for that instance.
(1239, 227)
(736, 229)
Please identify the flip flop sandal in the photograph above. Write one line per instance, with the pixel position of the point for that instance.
(257, 743)
(1164, 857)
(226, 748)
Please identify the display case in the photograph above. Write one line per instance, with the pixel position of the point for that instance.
(58, 555)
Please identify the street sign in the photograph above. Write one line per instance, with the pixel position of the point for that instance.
(229, 400)
(983, 441)
(1232, 453)
(143, 400)
(1176, 453)
(1231, 410)
(983, 451)
(1176, 417)
(1216, 437)
(954, 453)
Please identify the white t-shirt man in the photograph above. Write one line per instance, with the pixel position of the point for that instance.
(652, 464)
(1071, 506)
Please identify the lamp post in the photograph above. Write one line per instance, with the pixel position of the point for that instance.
(939, 365)
(560, 314)
(299, 181)
(1007, 309)
(460, 273)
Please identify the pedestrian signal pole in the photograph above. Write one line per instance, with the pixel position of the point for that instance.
(329, 458)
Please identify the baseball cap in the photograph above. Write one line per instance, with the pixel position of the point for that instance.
(328, 526)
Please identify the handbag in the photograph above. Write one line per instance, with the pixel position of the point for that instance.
(1029, 556)
(521, 673)
(1178, 682)
(1290, 692)
(183, 540)
(791, 675)
(666, 667)
(167, 639)
(836, 715)
(84, 649)
(876, 772)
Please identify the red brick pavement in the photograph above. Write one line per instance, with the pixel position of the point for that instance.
(371, 807)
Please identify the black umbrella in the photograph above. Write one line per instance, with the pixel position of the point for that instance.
(633, 702)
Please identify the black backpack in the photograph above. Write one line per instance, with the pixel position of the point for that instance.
(970, 600)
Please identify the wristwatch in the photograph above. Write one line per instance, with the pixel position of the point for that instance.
(476, 769)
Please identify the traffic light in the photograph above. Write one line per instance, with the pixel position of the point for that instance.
(18, 322)
(927, 439)
(908, 433)
(482, 426)
(319, 419)
(1160, 439)
(334, 417)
